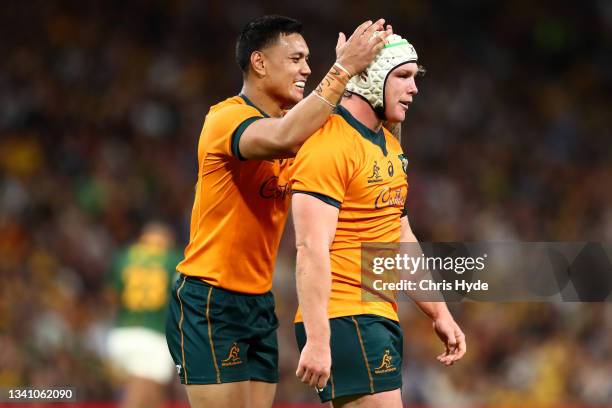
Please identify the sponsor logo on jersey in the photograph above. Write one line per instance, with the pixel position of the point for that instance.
(390, 169)
(271, 190)
(390, 198)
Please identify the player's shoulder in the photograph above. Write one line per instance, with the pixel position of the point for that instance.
(231, 108)
(332, 138)
(332, 135)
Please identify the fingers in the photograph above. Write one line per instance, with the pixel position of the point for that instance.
(380, 44)
(341, 40)
(360, 49)
(322, 381)
(451, 342)
(381, 39)
(377, 35)
(444, 358)
(299, 373)
(377, 26)
(461, 346)
(383, 35)
(319, 380)
(313, 376)
(361, 29)
(307, 377)
(314, 380)
(456, 348)
(368, 28)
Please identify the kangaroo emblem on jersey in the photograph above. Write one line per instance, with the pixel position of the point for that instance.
(385, 366)
(233, 358)
(404, 161)
(375, 177)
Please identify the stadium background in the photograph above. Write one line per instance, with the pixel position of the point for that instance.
(101, 104)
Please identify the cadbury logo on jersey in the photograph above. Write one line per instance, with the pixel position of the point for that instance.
(270, 189)
(388, 198)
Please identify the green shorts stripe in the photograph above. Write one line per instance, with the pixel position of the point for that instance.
(366, 355)
(363, 352)
(210, 338)
(218, 336)
(180, 327)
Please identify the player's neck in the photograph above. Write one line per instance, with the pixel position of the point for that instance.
(362, 111)
(262, 100)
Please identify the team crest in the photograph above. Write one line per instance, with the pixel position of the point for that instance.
(233, 357)
(404, 161)
(386, 366)
(375, 177)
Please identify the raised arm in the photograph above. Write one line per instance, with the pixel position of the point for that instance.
(313, 279)
(281, 137)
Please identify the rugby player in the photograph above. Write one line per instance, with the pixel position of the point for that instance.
(221, 328)
(141, 278)
(350, 177)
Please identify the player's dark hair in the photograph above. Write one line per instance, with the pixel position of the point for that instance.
(261, 33)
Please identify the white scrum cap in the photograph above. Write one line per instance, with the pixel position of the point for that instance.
(371, 83)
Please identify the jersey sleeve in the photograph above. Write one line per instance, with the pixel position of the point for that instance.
(323, 167)
(224, 127)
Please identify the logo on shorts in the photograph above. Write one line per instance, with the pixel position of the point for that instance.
(385, 366)
(178, 369)
(375, 177)
(232, 358)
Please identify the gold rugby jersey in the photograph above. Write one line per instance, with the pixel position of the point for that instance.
(363, 173)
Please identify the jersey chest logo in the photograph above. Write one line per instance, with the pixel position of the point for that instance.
(272, 189)
(389, 198)
(375, 177)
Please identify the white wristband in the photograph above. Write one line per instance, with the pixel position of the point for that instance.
(342, 68)
(324, 100)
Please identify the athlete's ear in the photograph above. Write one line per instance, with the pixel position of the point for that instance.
(257, 63)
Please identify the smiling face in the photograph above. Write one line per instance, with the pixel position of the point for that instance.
(400, 89)
(285, 69)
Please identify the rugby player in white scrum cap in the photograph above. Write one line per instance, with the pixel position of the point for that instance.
(350, 177)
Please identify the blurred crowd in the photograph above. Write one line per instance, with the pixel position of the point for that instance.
(510, 138)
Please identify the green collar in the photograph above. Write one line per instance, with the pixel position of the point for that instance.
(378, 138)
(248, 102)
